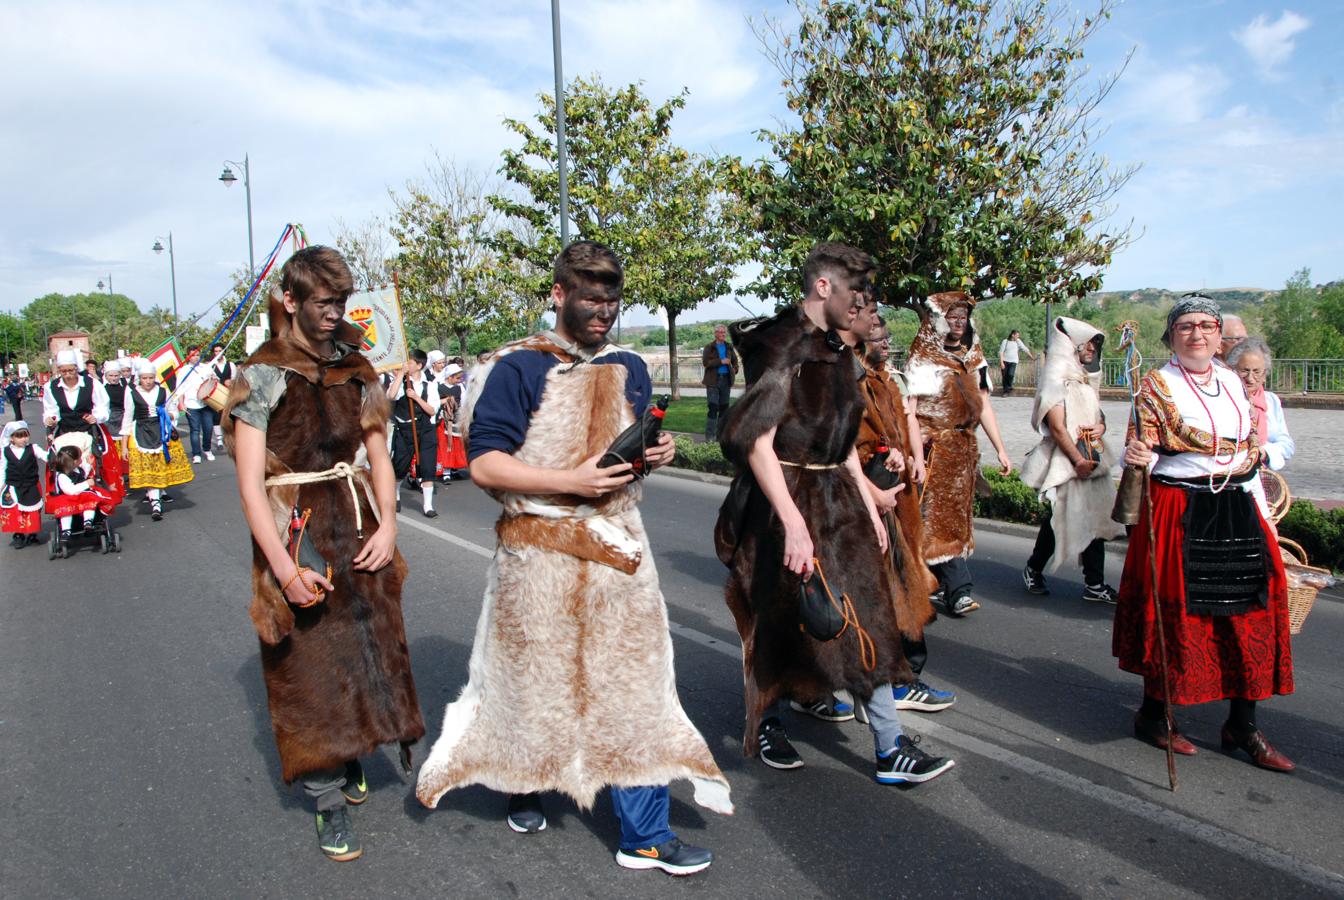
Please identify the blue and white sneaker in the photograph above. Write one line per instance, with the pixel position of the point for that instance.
(922, 697)
(907, 764)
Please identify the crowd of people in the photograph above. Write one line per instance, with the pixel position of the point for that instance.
(844, 535)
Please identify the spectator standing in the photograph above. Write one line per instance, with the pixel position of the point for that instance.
(1234, 332)
(198, 380)
(721, 365)
(1008, 358)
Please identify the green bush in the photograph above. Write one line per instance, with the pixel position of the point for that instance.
(706, 457)
(1010, 500)
(1320, 532)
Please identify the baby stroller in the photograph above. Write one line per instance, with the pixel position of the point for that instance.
(103, 497)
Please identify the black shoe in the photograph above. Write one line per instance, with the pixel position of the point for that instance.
(431, 514)
(336, 835)
(356, 789)
(155, 510)
(907, 764)
(674, 858)
(525, 813)
(168, 498)
(1100, 593)
(827, 712)
(776, 751)
(18, 541)
(1034, 581)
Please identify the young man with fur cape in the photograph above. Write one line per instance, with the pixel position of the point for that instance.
(949, 383)
(800, 499)
(570, 686)
(1071, 466)
(326, 598)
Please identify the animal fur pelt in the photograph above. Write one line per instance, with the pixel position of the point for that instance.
(571, 685)
(805, 383)
(884, 422)
(946, 385)
(338, 674)
(1080, 507)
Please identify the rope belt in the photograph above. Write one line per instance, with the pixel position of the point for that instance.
(335, 473)
(813, 466)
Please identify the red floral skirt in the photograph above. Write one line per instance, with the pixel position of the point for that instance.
(20, 521)
(1247, 656)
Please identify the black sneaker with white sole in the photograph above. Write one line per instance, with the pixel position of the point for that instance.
(356, 789)
(674, 858)
(1034, 581)
(826, 712)
(907, 764)
(1099, 593)
(776, 751)
(525, 813)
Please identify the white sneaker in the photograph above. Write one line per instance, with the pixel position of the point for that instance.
(195, 460)
(210, 456)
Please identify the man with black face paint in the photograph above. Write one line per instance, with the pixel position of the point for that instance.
(571, 686)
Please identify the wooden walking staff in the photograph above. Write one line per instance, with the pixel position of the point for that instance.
(1134, 494)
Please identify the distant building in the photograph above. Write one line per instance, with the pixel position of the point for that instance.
(68, 340)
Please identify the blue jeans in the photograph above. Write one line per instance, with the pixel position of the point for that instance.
(202, 424)
(642, 812)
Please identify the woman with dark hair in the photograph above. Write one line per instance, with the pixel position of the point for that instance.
(1221, 590)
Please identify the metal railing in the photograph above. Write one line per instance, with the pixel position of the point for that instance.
(1286, 376)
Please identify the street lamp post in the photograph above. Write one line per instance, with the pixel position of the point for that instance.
(560, 149)
(172, 266)
(229, 178)
(111, 312)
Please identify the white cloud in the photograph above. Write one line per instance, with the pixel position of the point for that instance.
(1271, 43)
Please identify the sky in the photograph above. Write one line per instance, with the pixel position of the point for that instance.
(119, 118)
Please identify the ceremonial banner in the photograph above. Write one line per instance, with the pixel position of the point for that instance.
(167, 359)
(378, 315)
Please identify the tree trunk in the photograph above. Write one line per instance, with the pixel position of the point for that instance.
(672, 366)
(462, 345)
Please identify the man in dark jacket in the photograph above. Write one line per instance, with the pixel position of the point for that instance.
(720, 362)
(14, 394)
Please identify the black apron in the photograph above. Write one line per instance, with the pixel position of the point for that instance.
(21, 476)
(71, 418)
(148, 434)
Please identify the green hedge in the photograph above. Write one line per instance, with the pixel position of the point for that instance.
(706, 457)
(1320, 532)
(1010, 500)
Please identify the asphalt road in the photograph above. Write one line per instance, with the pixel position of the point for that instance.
(140, 763)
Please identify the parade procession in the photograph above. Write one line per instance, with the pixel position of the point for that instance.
(817, 518)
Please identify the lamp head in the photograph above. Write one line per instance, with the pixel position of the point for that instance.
(228, 177)
(157, 248)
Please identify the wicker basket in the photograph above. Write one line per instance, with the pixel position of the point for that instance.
(1300, 599)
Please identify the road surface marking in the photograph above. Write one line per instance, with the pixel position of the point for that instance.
(1228, 841)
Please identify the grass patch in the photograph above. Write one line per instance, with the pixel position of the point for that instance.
(687, 414)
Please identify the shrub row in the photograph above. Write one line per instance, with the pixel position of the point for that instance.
(1320, 532)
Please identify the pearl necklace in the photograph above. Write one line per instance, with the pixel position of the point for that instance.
(1200, 394)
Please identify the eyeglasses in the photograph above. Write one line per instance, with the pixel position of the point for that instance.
(1185, 329)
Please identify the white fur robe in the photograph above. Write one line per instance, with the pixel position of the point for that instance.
(570, 685)
(1080, 507)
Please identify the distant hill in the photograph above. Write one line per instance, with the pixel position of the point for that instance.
(1230, 299)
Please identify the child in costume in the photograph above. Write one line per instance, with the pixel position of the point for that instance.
(20, 486)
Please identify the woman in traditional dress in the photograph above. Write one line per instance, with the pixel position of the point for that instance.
(1220, 586)
(156, 458)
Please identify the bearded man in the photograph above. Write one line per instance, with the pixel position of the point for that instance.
(571, 686)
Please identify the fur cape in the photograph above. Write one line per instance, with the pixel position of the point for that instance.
(804, 383)
(946, 386)
(338, 673)
(571, 685)
(1080, 508)
(884, 418)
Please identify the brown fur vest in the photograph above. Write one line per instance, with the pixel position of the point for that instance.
(946, 386)
(805, 384)
(884, 420)
(571, 685)
(338, 674)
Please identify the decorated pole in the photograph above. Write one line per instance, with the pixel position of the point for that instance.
(1133, 497)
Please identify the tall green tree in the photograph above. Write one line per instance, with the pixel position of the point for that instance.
(662, 209)
(1304, 322)
(452, 281)
(952, 139)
